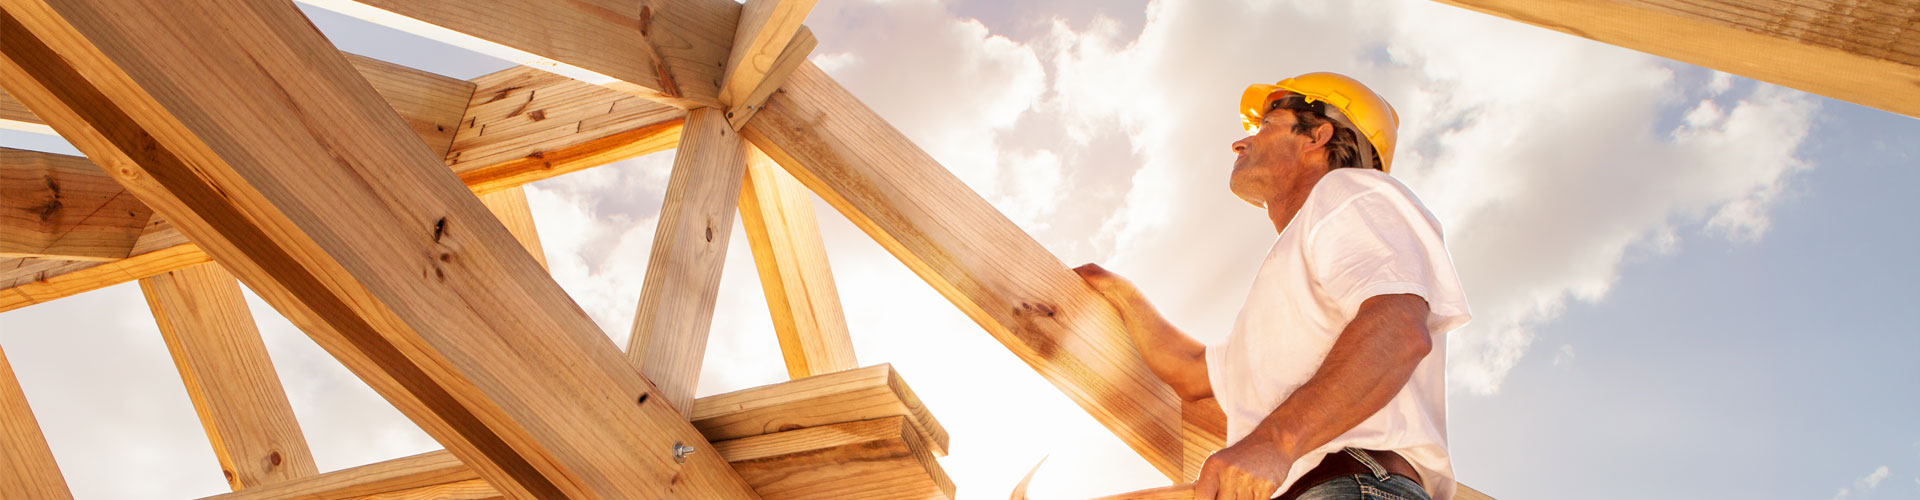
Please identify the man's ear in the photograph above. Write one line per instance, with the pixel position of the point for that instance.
(1322, 135)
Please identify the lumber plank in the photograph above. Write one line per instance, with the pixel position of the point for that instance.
(668, 51)
(260, 143)
(1861, 51)
(502, 157)
(675, 310)
(866, 394)
(63, 207)
(790, 59)
(431, 104)
(765, 29)
(1203, 430)
(880, 459)
(204, 320)
(524, 125)
(860, 394)
(972, 254)
(510, 206)
(27, 469)
(777, 213)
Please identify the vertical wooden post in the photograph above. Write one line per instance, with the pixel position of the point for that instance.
(510, 205)
(27, 469)
(777, 213)
(221, 358)
(689, 248)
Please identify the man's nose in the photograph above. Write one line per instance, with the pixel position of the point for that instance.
(1240, 146)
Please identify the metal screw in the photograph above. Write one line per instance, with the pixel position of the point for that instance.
(680, 452)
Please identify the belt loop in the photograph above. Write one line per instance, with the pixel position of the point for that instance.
(1379, 472)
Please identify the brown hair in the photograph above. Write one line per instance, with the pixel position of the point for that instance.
(1343, 150)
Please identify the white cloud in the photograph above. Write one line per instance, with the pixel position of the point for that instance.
(1865, 484)
(1565, 356)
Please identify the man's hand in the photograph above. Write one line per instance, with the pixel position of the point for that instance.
(1177, 359)
(1251, 469)
(1115, 288)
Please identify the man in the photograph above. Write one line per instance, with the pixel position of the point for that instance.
(1333, 378)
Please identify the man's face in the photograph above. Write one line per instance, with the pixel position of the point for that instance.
(1267, 159)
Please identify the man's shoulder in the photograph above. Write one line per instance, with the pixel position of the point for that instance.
(1344, 185)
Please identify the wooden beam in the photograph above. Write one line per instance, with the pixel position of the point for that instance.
(971, 254)
(860, 394)
(670, 324)
(777, 213)
(790, 59)
(510, 206)
(668, 51)
(27, 469)
(880, 459)
(525, 125)
(430, 104)
(1203, 430)
(63, 207)
(258, 141)
(761, 36)
(493, 150)
(204, 319)
(1859, 51)
(868, 394)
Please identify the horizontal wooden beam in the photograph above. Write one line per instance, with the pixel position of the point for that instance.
(552, 126)
(223, 363)
(860, 394)
(870, 394)
(1861, 51)
(880, 459)
(430, 104)
(974, 256)
(259, 141)
(64, 208)
(669, 51)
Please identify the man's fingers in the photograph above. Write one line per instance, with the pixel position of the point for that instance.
(1207, 487)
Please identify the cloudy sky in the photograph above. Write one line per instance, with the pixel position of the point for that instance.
(1685, 284)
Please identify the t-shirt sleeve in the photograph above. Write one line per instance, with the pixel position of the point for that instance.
(1380, 242)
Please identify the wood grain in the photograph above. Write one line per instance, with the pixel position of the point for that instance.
(763, 33)
(777, 213)
(880, 459)
(974, 256)
(217, 348)
(789, 60)
(258, 141)
(27, 469)
(669, 51)
(861, 394)
(1861, 51)
(64, 208)
(675, 311)
(524, 125)
(510, 206)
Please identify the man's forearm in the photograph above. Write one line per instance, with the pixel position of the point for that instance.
(1172, 355)
(1370, 362)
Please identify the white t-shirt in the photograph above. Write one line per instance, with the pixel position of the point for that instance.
(1360, 234)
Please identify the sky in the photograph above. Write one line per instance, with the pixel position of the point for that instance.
(1685, 283)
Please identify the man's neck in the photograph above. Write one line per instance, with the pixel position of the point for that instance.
(1292, 198)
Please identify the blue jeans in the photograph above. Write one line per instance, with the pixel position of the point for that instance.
(1376, 486)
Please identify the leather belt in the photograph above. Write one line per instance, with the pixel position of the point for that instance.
(1340, 464)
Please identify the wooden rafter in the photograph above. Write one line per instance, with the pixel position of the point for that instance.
(1862, 51)
(759, 429)
(510, 206)
(667, 51)
(767, 44)
(675, 310)
(27, 469)
(777, 213)
(261, 144)
(970, 253)
(62, 207)
(224, 364)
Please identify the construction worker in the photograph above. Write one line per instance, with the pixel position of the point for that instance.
(1333, 378)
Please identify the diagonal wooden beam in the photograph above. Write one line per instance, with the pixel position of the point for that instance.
(1861, 51)
(554, 126)
(777, 213)
(762, 35)
(668, 51)
(675, 310)
(224, 364)
(510, 206)
(62, 207)
(27, 469)
(260, 143)
(790, 59)
(970, 253)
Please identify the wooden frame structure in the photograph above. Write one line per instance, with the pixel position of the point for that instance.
(379, 208)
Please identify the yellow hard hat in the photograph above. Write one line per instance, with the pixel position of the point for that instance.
(1368, 114)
